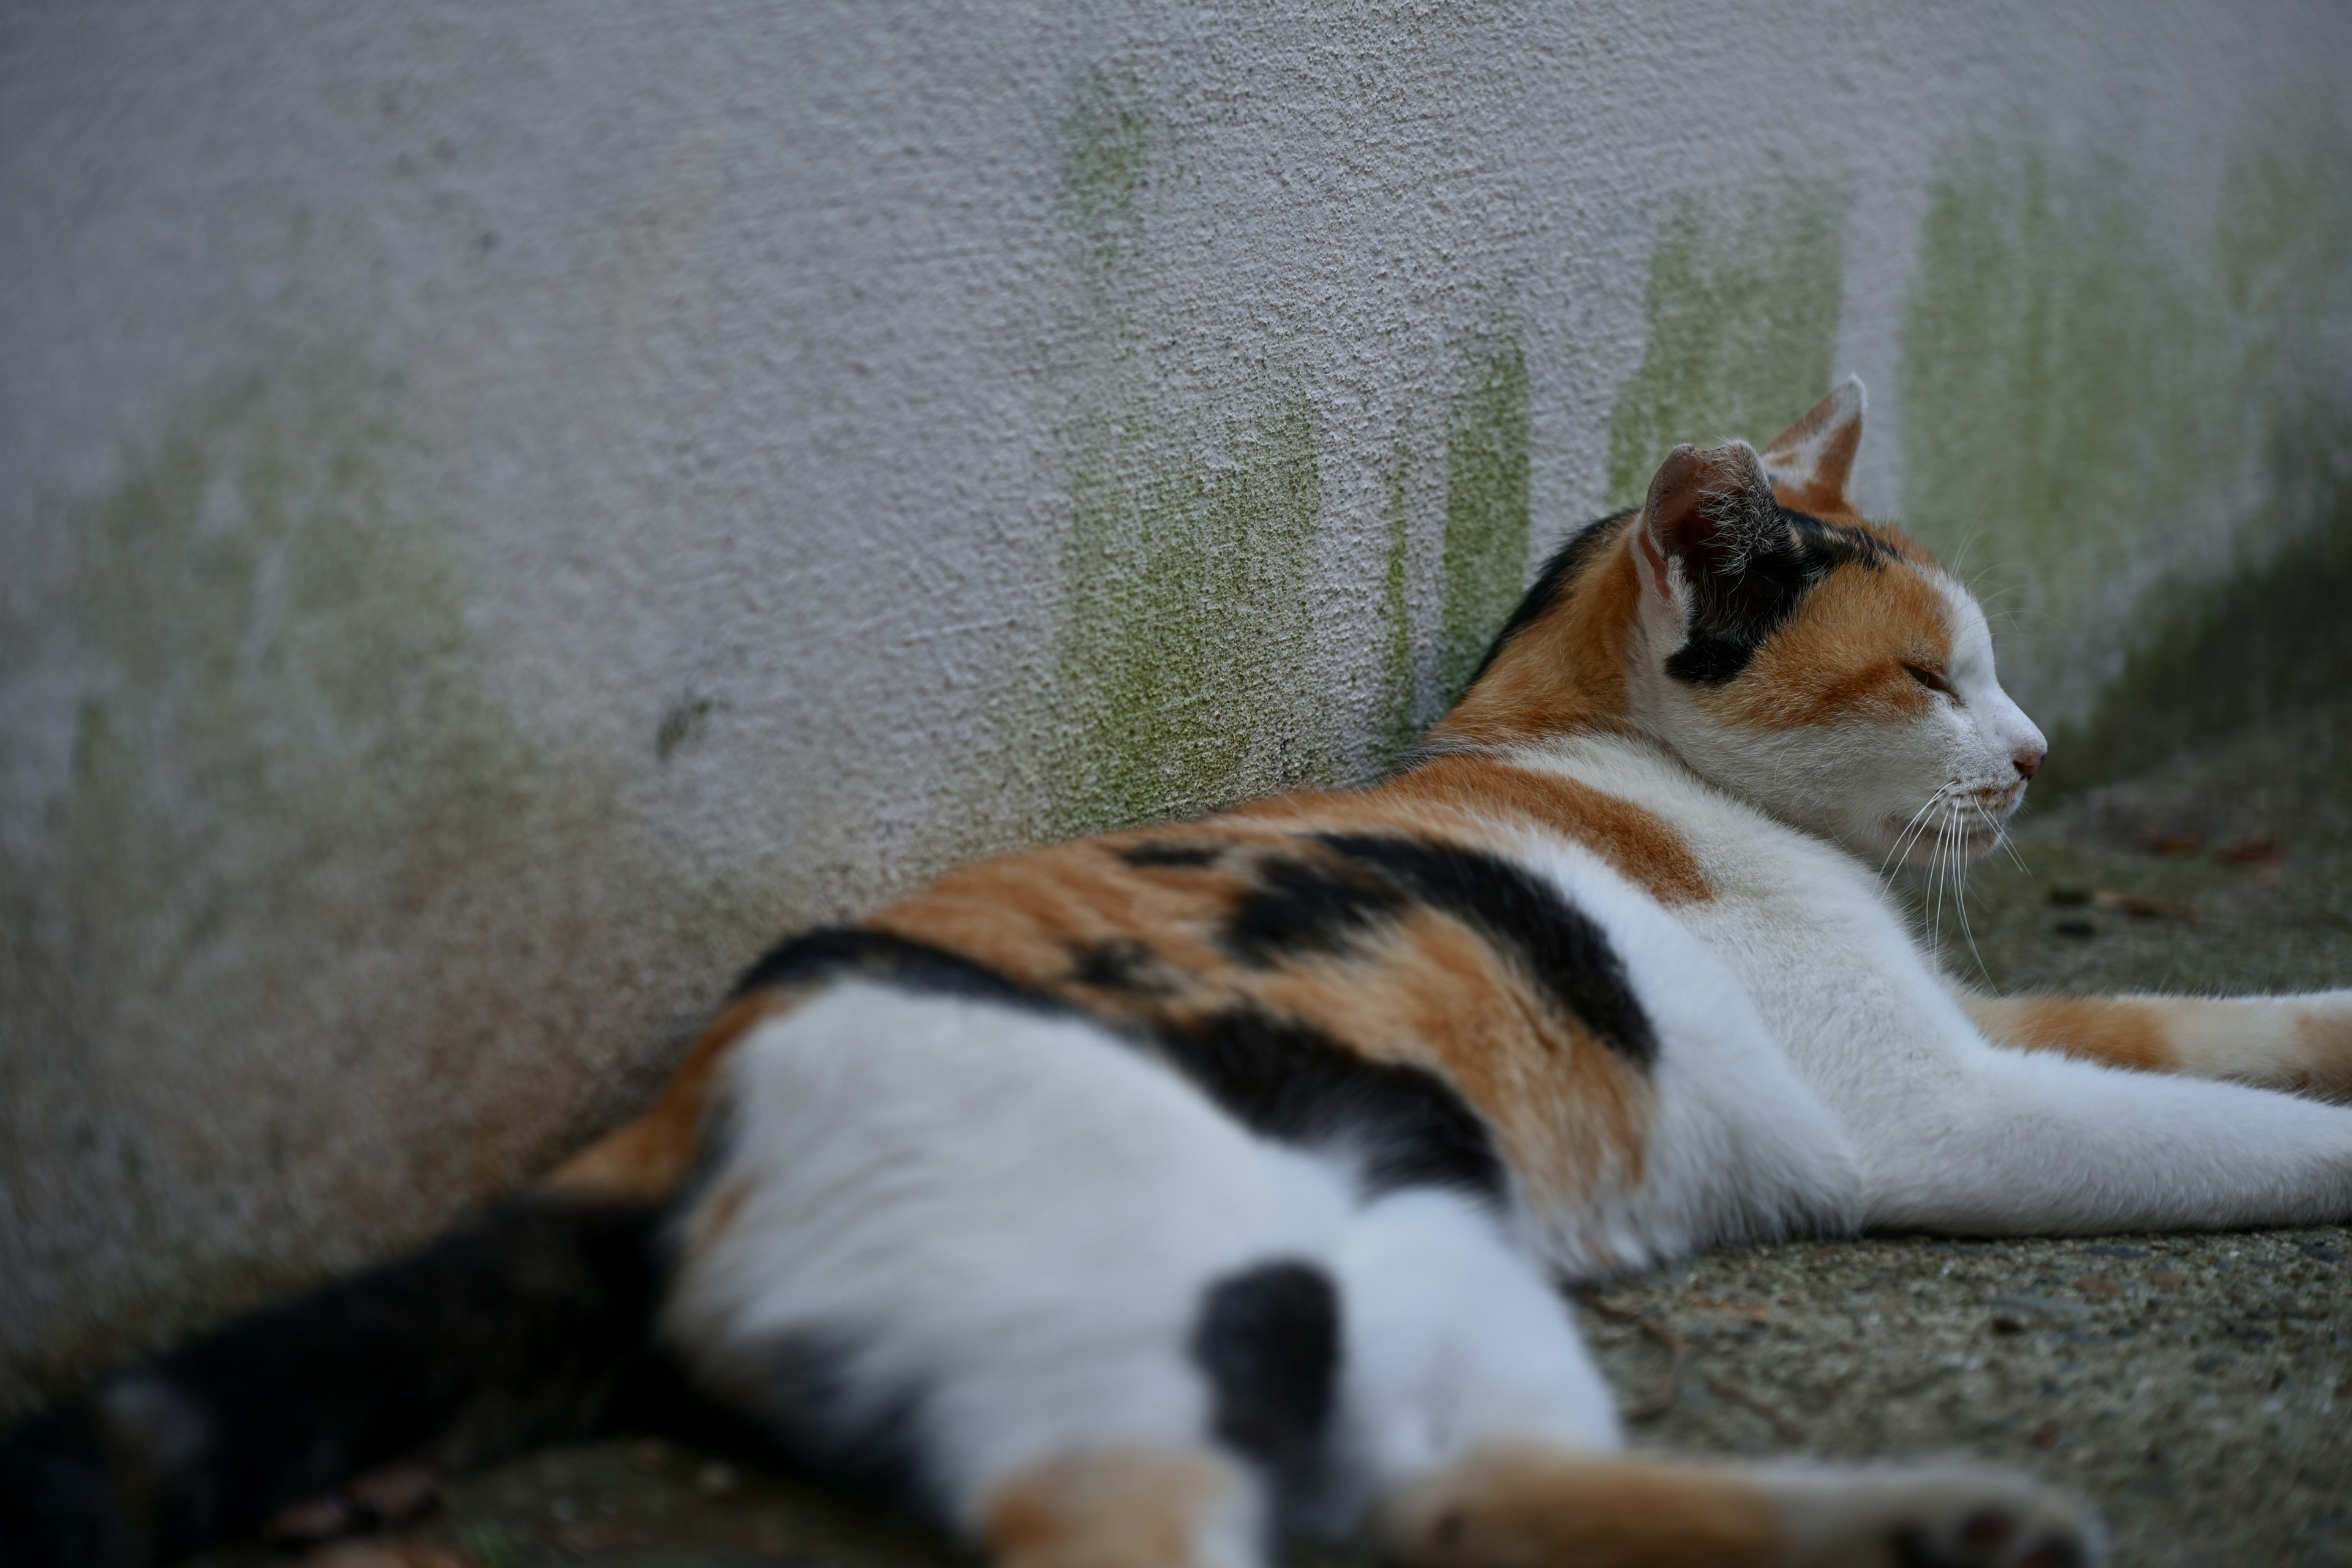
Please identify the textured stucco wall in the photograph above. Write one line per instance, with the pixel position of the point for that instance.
(509, 508)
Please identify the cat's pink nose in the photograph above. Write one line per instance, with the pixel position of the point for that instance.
(2029, 761)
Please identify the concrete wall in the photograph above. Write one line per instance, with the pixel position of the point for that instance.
(511, 508)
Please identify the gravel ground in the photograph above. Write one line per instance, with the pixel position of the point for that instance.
(2196, 1387)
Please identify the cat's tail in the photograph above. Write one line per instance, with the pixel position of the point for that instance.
(529, 1323)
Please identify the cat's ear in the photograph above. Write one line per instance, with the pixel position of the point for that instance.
(1712, 509)
(1809, 461)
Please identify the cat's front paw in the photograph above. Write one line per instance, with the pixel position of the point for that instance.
(1934, 1516)
(2323, 1027)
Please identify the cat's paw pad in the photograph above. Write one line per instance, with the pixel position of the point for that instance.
(1956, 1517)
(391, 1495)
(1994, 1535)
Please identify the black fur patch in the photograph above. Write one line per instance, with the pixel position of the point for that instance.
(1299, 906)
(1741, 599)
(1121, 965)
(825, 1423)
(515, 1328)
(59, 1502)
(1158, 852)
(1289, 1082)
(1557, 945)
(1268, 1340)
(850, 952)
(1276, 1076)
(1567, 564)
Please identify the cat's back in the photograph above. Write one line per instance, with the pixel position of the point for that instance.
(1469, 974)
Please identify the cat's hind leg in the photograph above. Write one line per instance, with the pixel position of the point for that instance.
(1519, 1505)
(1481, 1435)
(1025, 1268)
(1126, 1507)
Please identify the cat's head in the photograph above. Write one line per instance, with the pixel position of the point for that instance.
(1824, 667)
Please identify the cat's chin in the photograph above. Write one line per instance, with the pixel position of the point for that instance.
(1906, 843)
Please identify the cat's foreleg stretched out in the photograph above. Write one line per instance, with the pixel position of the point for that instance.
(2006, 1143)
(1976, 1115)
(2299, 1044)
(1959, 1130)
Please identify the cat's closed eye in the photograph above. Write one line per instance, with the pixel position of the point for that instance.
(1932, 679)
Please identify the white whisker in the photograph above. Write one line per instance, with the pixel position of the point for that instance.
(2000, 831)
(1960, 896)
(1936, 894)
(1923, 826)
(1901, 839)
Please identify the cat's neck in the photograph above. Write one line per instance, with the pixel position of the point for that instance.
(1563, 673)
(1561, 689)
(1737, 843)
(1627, 766)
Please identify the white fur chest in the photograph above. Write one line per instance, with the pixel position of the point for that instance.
(1813, 937)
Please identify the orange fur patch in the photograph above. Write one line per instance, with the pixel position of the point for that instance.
(2125, 1034)
(1567, 671)
(1027, 915)
(1813, 456)
(645, 1161)
(1119, 1507)
(1522, 1507)
(1567, 1113)
(1842, 655)
(2326, 1043)
(1814, 500)
(1422, 991)
(715, 1215)
(1642, 846)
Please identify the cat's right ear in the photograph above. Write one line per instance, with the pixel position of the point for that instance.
(1711, 510)
(1809, 461)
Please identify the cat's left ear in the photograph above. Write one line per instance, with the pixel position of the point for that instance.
(1809, 461)
(1710, 510)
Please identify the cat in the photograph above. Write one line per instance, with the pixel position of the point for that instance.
(1127, 1203)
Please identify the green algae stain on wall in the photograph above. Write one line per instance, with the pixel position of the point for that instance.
(2227, 650)
(1486, 508)
(1185, 623)
(1107, 152)
(257, 975)
(1743, 315)
(2127, 434)
(2284, 241)
(2135, 437)
(1397, 723)
(1180, 664)
(2055, 386)
(280, 676)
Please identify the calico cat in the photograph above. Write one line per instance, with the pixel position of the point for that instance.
(1128, 1201)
